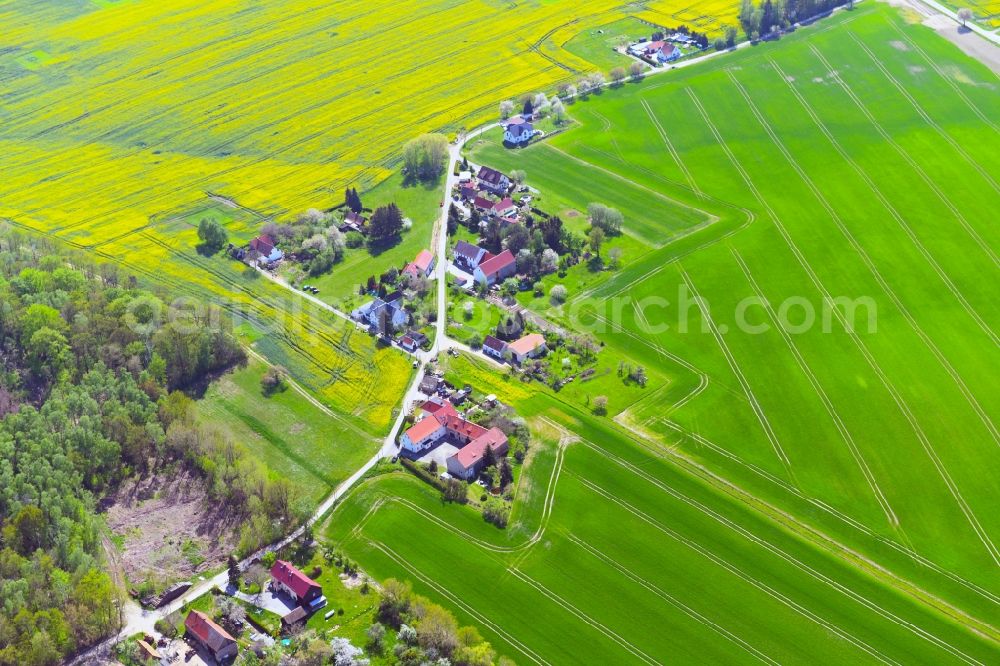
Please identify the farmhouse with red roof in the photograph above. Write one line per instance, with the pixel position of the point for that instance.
(442, 422)
(422, 265)
(422, 434)
(496, 269)
(211, 636)
(286, 578)
(468, 462)
(263, 251)
(504, 207)
(483, 204)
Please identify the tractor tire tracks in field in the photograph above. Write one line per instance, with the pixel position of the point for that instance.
(903, 406)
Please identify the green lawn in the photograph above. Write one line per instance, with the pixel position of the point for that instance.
(782, 495)
(287, 433)
(596, 45)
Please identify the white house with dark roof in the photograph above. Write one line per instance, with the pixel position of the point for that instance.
(495, 347)
(493, 181)
(518, 133)
(468, 256)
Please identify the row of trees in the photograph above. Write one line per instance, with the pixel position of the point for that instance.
(535, 104)
(760, 20)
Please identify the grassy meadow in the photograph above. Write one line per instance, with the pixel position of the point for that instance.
(781, 494)
(288, 434)
(597, 45)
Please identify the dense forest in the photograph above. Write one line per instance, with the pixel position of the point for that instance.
(92, 373)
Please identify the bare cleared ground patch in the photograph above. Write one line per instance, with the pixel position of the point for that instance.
(971, 43)
(168, 528)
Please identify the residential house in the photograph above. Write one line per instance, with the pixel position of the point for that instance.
(493, 181)
(483, 204)
(495, 347)
(288, 579)
(388, 311)
(496, 269)
(529, 346)
(661, 51)
(468, 191)
(422, 265)
(211, 636)
(518, 133)
(468, 256)
(353, 222)
(441, 421)
(467, 463)
(429, 384)
(461, 431)
(263, 251)
(465, 176)
(412, 340)
(407, 343)
(438, 405)
(423, 434)
(667, 53)
(504, 207)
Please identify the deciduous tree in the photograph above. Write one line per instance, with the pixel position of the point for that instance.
(212, 235)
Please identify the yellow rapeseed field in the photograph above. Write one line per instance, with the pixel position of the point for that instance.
(116, 115)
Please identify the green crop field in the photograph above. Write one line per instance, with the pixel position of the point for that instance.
(781, 493)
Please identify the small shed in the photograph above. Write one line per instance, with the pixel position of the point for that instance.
(294, 620)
